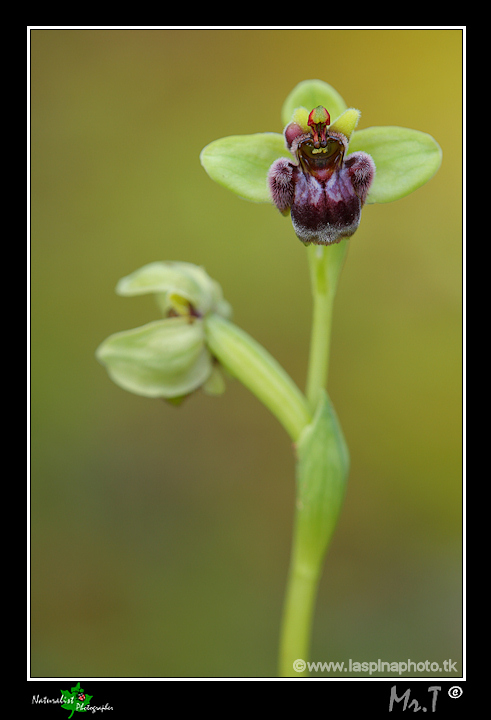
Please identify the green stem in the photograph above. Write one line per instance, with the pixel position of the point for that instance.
(298, 613)
(250, 363)
(325, 263)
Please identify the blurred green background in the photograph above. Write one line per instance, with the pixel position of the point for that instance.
(160, 536)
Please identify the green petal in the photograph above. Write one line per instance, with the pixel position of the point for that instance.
(176, 284)
(241, 163)
(300, 116)
(309, 94)
(405, 159)
(167, 358)
(346, 123)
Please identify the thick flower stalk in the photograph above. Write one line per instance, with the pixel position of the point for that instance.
(321, 174)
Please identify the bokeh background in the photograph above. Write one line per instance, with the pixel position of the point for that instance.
(160, 536)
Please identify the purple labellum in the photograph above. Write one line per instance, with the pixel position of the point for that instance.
(324, 190)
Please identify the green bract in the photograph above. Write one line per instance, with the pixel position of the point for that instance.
(322, 470)
(322, 453)
(167, 358)
(405, 159)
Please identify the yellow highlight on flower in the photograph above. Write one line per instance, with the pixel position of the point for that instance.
(346, 122)
(300, 117)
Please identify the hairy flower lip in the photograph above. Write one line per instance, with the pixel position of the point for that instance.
(323, 188)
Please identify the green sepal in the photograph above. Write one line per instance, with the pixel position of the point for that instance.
(167, 358)
(241, 163)
(404, 159)
(309, 94)
(322, 471)
(215, 385)
(177, 286)
(176, 401)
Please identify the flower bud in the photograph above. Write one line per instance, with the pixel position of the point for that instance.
(167, 358)
(180, 287)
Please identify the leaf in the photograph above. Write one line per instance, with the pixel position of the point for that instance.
(405, 159)
(241, 163)
(322, 470)
(309, 94)
(166, 358)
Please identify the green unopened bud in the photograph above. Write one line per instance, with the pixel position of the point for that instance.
(181, 288)
(168, 358)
